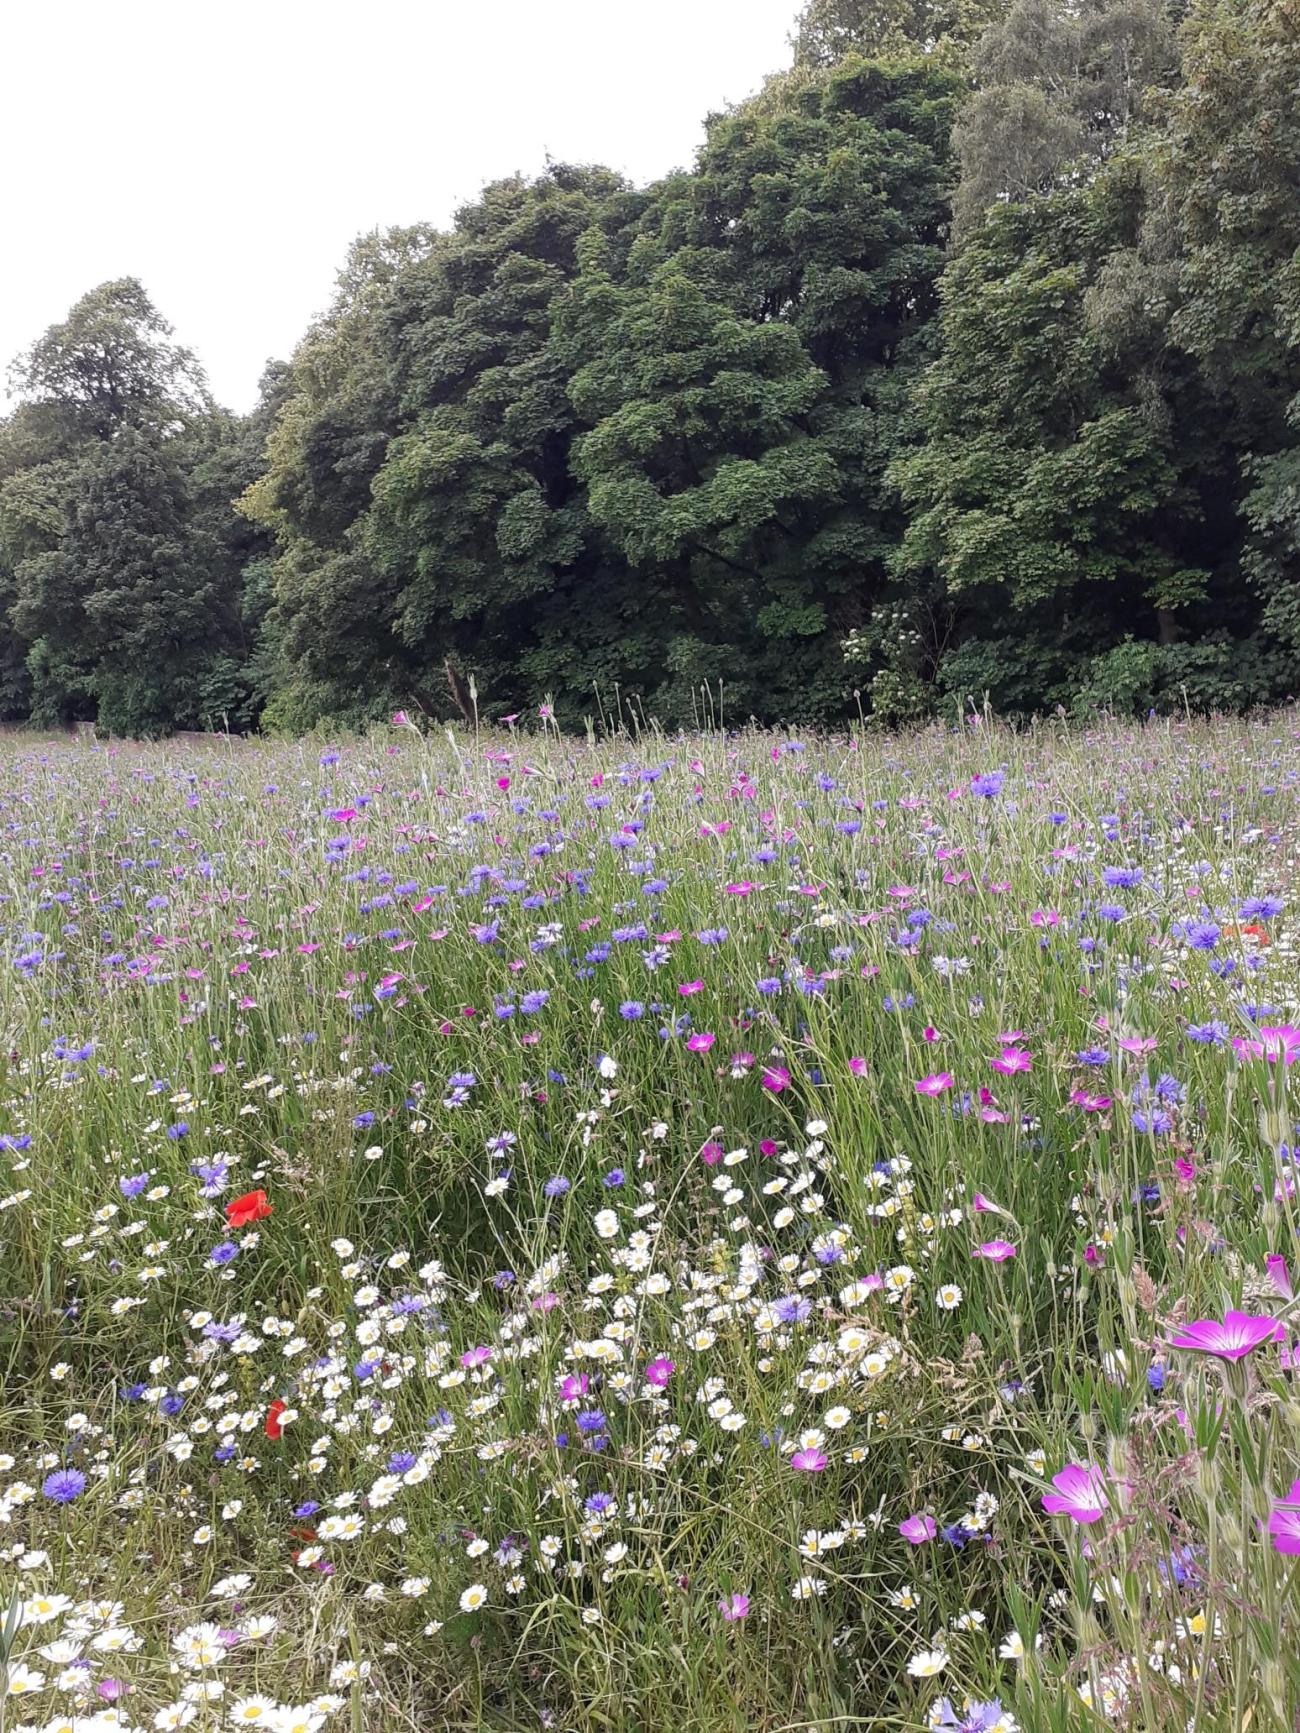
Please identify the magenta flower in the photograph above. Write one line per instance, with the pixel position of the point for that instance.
(859, 1067)
(809, 1461)
(996, 1251)
(776, 1078)
(918, 1529)
(1279, 1274)
(689, 987)
(935, 1083)
(659, 1371)
(1013, 1059)
(1080, 1494)
(475, 1357)
(1238, 1335)
(701, 1042)
(1284, 1521)
(733, 1607)
(1279, 1042)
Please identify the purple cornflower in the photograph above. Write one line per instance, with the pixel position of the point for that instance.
(988, 783)
(972, 1718)
(132, 1185)
(556, 1186)
(225, 1253)
(212, 1175)
(64, 1485)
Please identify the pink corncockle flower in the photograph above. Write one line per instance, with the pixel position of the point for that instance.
(689, 987)
(1276, 1043)
(734, 1607)
(739, 890)
(995, 1251)
(659, 1371)
(400, 719)
(344, 814)
(1080, 1494)
(929, 1033)
(809, 1461)
(776, 1078)
(1186, 1170)
(475, 1357)
(935, 1083)
(700, 1042)
(918, 1529)
(1013, 1059)
(1011, 1037)
(1138, 1043)
(711, 1153)
(858, 1067)
(1284, 1522)
(1089, 1102)
(574, 1386)
(546, 1302)
(1279, 1275)
(1239, 1334)
(1045, 918)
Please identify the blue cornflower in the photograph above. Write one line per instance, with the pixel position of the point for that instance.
(132, 1185)
(1261, 908)
(556, 1186)
(1093, 1056)
(614, 1178)
(64, 1485)
(179, 1130)
(534, 1001)
(590, 1421)
(1202, 935)
(1212, 1034)
(631, 1010)
(171, 1404)
(307, 1508)
(225, 1253)
(400, 1461)
(213, 1177)
(767, 986)
(1122, 878)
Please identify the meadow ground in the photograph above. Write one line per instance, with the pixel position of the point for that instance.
(714, 1233)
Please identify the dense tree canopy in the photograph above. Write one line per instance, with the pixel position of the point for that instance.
(964, 361)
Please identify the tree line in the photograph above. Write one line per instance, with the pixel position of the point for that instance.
(964, 361)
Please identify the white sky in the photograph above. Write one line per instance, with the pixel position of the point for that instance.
(226, 151)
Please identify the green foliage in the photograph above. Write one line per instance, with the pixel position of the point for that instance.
(964, 361)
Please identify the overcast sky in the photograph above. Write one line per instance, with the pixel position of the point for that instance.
(226, 153)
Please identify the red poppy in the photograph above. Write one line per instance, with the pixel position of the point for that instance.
(273, 1413)
(240, 1211)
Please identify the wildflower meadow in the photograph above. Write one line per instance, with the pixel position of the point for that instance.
(722, 1232)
